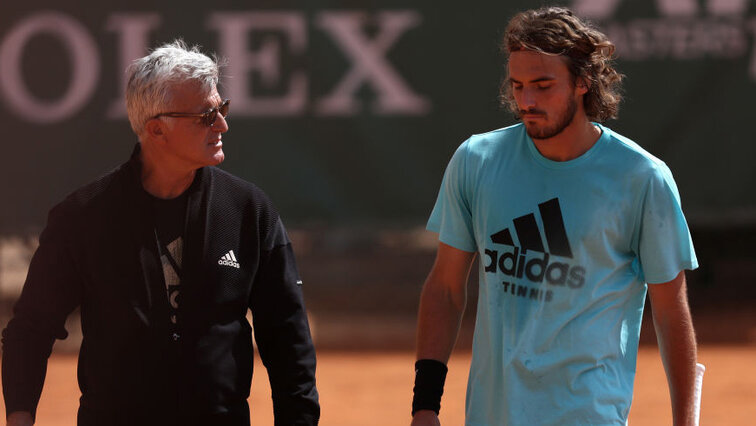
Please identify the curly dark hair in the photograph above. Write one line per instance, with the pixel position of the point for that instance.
(589, 54)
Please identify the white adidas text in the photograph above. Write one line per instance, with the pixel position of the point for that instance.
(228, 263)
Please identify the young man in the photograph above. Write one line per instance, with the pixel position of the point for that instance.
(165, 256)
(573, 223)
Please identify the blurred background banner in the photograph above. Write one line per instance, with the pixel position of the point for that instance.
(346, 112)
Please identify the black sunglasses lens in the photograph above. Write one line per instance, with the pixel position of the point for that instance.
(212, 115)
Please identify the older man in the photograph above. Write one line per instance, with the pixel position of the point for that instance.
(164, 256)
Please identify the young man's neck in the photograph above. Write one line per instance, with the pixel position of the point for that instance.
(163, 179)
(572, 142)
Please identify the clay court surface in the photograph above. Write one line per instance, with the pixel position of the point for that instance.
(374, 389)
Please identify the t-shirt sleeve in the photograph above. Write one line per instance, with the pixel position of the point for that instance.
(664, 246)
(452, 216)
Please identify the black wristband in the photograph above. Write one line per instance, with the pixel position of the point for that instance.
(430, 376)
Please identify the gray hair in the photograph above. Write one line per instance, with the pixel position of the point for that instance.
(151, 78)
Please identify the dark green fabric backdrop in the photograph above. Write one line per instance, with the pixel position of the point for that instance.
(346, 112)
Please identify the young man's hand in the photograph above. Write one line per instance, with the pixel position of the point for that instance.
(425, 418)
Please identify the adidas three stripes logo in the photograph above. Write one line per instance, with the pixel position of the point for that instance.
(529, 235)
(518, 265)
(229, 259)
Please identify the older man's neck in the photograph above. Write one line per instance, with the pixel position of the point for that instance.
(163, 181)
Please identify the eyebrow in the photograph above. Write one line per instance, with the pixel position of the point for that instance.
(212, 105)
(537, 80)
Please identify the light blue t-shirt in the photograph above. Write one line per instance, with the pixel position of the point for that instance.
(566, 250)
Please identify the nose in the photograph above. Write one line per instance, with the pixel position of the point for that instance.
(527, 99)
(220, 125)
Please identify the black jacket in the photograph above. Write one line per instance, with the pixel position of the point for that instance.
(99, 252)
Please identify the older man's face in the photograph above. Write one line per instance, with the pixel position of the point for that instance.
(189, 141)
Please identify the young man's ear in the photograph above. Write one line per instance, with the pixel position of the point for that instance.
(582, 85)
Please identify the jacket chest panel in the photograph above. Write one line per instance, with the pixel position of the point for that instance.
(229, 269)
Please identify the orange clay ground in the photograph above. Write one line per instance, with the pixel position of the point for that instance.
(374, 389)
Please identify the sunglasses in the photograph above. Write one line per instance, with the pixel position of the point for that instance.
(208, 118)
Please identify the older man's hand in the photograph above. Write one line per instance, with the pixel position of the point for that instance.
(20, 418)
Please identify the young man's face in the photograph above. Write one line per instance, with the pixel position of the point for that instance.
(188, 139)
(545, 92)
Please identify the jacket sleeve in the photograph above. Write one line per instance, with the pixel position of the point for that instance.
(282, 332)
(50, 293)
